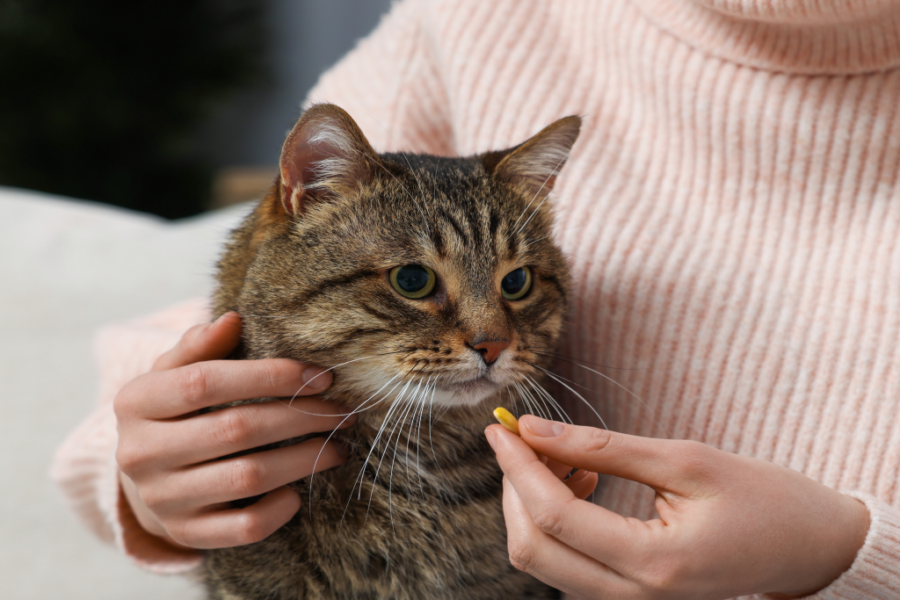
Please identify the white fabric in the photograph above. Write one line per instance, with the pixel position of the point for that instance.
(66, 268)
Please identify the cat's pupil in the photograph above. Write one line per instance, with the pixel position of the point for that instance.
(514, 281)
(412, 278)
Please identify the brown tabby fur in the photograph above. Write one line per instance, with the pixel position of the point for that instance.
(308, 270)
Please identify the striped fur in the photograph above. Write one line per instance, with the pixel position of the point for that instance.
(415, 512)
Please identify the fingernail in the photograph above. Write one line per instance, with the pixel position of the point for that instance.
(491, 437)
(542, 427)
(315, 379)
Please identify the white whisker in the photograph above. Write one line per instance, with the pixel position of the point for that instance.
(577, 395)
(604, 376)
(545, 395)
(302, 387)
(360, 476)
(381, 429)
(358, 409)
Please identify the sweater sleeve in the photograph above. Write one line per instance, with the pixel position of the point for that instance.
(392, 84)
(875, 573)
(85, 468)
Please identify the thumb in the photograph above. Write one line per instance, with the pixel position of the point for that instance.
(203, 342)
(653, 462)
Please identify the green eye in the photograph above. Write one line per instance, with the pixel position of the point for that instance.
(413, 281)
(516, 283)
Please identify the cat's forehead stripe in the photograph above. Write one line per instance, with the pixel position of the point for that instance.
(456, 204)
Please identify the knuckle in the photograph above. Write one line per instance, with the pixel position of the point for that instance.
(550, 520)
(270, 376)
(194, 384)
(128, 459)
(232, 429)
(271, 373)
(249, 528)
(180, 532)
(247, 477)
(662, 578)
(691, 459)
(153, 498)
(598, 440)
(521, 556)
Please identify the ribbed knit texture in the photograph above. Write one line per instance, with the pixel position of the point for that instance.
(731, 210)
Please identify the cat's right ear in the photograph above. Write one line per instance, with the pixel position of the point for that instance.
(533, 165)
(325, 156)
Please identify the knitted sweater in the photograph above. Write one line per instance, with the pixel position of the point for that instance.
(731, 212)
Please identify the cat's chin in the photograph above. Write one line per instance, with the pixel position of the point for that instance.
(466, 393)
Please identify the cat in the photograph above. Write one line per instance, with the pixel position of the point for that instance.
(433, 288)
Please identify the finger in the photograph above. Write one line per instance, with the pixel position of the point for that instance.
(601, 534)
(203, 342)
(182, 391)
(213, 435)
(557, 468)
(551, 561)
(670, 465)
(245, 476)
(239, 526)
(582, 484)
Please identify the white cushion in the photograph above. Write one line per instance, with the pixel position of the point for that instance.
(68, 267)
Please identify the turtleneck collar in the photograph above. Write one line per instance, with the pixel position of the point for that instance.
(814, 37)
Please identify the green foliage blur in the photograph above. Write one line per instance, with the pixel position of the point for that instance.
(102, 99)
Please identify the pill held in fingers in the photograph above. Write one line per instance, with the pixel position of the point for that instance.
(506, 418)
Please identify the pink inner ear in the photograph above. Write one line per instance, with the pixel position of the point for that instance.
(298, 161)
(535, 164)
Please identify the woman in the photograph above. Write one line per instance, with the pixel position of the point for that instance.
(731, 214)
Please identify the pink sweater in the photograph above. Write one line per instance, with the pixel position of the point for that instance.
(731, 210)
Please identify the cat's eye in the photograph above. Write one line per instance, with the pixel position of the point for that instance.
(413, 281)
(516, 283)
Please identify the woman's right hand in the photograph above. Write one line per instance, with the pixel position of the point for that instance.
(171, 457)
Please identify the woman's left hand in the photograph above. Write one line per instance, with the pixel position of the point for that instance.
(728, 525)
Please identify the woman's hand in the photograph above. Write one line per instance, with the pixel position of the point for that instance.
(170, 457)
(728, 525)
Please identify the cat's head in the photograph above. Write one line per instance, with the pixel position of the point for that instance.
(417, 275)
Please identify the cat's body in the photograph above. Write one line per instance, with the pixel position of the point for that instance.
(423, 530)
(415, 512)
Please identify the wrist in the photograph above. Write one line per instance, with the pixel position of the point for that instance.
(847, 532)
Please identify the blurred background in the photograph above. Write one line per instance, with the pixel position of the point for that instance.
(165, 106)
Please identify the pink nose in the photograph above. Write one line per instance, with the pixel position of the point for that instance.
(491, 350)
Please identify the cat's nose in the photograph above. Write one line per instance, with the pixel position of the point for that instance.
(490, 350)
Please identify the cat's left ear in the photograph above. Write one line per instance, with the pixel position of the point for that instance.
(325, 156)
(534, 165)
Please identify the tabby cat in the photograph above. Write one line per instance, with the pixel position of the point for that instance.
(433, 288)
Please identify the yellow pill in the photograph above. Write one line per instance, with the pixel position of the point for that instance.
(506, 418)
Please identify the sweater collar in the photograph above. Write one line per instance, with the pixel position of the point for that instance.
(813, 37)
